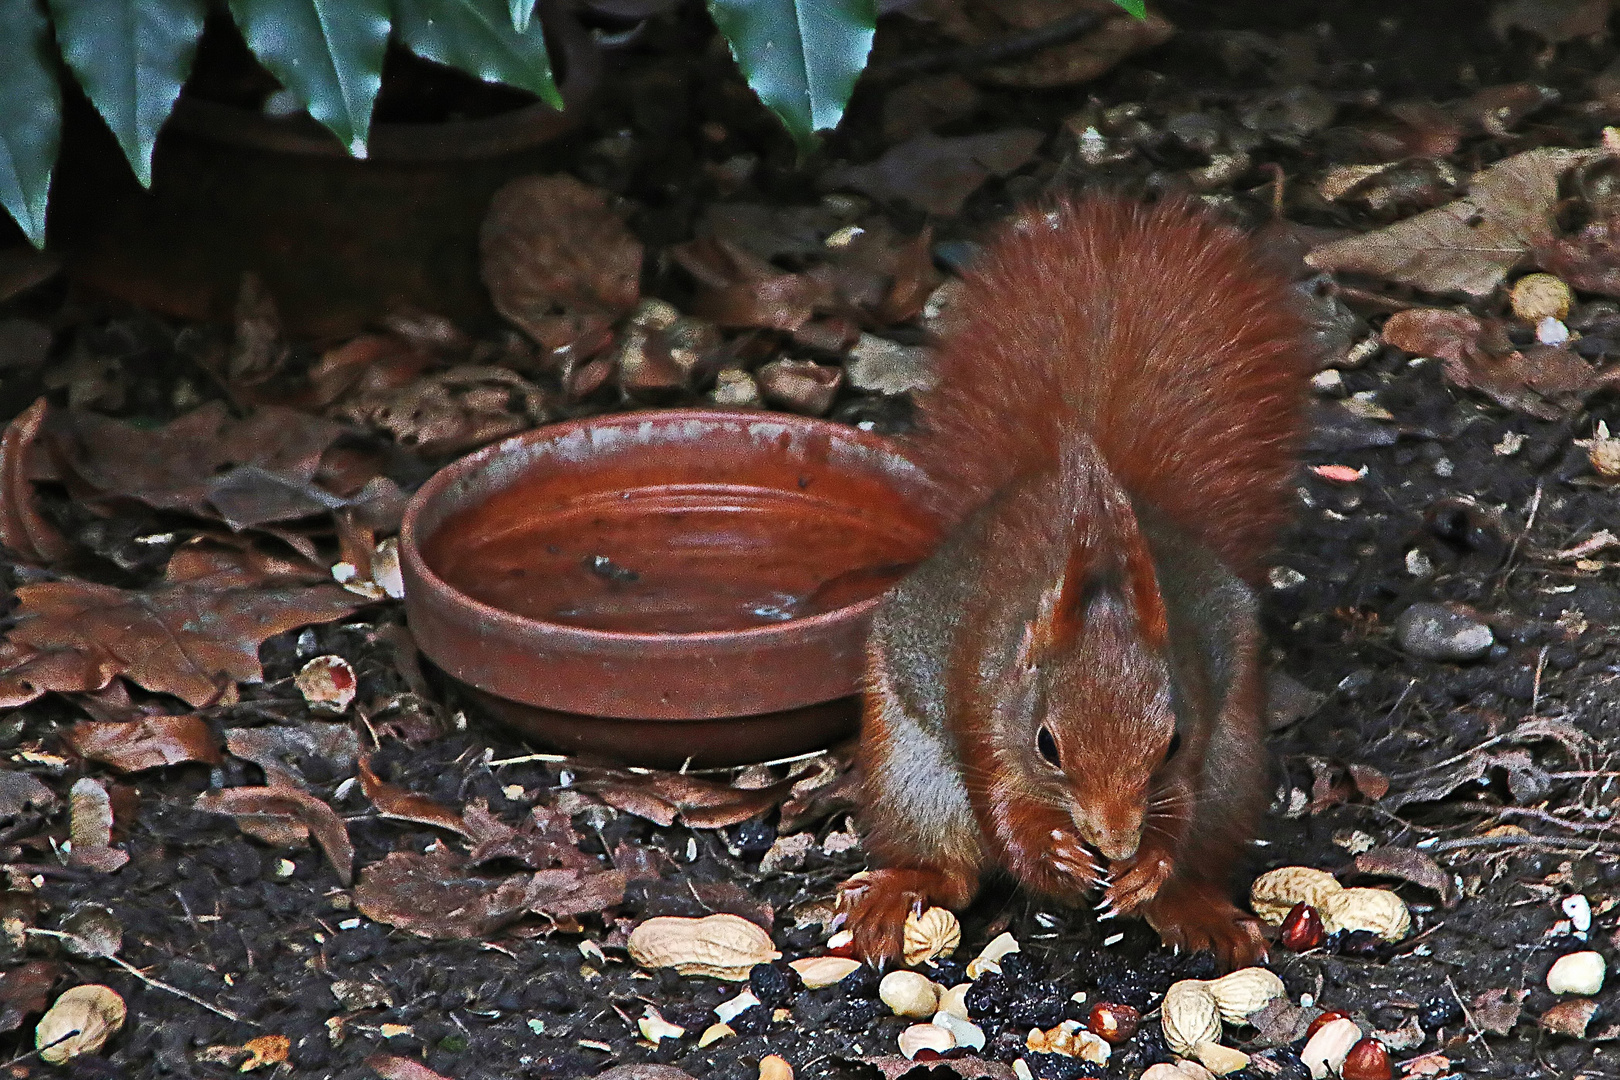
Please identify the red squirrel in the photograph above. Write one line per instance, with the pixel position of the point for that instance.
(1069, 689)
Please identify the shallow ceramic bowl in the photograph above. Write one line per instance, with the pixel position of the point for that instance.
(667, 586)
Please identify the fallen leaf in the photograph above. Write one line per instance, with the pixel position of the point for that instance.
(1570, 1017)
(894, 1066)
(1411, 865)
(245, 472)
(1372, 784)
(1468, 245)
(19, 791)
(739, 289)
(1553, 21)
(1589, 260)
(26, 989)
(643, 1071)
(450, 411)
(280, 749)
(1110, 40)
(558, 262)
(24, 531)
(1434, 1064)
(938, 173)
(401, 804)
(285, 817)
(189, 639)
(134, 745)
(1281, 1022)
(394, 1067)
(546, 839)
(1497, 1011)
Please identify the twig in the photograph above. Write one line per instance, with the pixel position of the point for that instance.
(1551, 843)
(1529, 523)
(1013, 46)
(1468, 1016)
(1554, 819)
(90, 950)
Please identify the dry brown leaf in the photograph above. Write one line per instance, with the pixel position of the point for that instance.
(23, 530)
(90, 822)
(285, 817)
(1498, 1010)
(1372, 784)
(450, 411)
(190, 640)
(19, 791)
(1542, 381)
(894, 1066)
(26, 989)
(1469, 245)
(80, 1021)
(939, 173)
(278, 749)
(545, 840)
(643, 1071)
(393, 801)
(438, 896)
(1570, 1018)
(245, 472)
(134, 745)
(740, 289)
(1553, 21)
(232, 561)
(1589, 260)
(558, 262)
(976, 22)
(1411, 865)
(265, 1050)
(394, 1067)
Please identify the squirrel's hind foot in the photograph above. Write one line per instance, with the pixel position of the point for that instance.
(1197, 915)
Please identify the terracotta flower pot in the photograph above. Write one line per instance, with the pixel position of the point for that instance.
(336, 241)
(666, 586)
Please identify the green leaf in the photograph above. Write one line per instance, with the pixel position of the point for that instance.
(1134, 7)
(30, 114)
(477, 37)
(521, 11)
(801, 57)
(131, 57)
(329, 53)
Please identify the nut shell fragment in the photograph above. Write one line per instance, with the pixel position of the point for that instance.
(717, 946)
(80, 1021)
(932, 934)
(1275, 892)
(1219, 1059)
(989, 959)
(818, 971)
(1245, 992)
(1377, 910)
(919, 1037)
(1190, 1016)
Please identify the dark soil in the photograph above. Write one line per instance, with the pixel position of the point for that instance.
(271, 936)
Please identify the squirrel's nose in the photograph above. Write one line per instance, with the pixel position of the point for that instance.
(1114, 839)
(1119, 845)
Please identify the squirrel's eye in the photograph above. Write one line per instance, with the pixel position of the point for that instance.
(1047, 746)
(1175, 744)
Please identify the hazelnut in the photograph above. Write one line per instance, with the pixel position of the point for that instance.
(1114, 1022)
(1539, 296)
(1302, 930)
(775, 1067)
(932, 934)
(1367, 1060)
(1324, 1019)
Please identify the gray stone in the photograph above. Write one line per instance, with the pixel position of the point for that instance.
(1440, 632)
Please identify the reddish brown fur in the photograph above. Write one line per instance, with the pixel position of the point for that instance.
(1118, 403)
(1193, 407)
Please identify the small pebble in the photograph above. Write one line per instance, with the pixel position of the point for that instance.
(1437, 632)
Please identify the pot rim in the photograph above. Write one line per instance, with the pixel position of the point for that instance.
(746, 638)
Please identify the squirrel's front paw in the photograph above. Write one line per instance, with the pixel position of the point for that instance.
(1136, 881)
(877, 903)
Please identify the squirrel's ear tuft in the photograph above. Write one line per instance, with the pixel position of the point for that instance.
(1061, 614)
(1143, 585)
